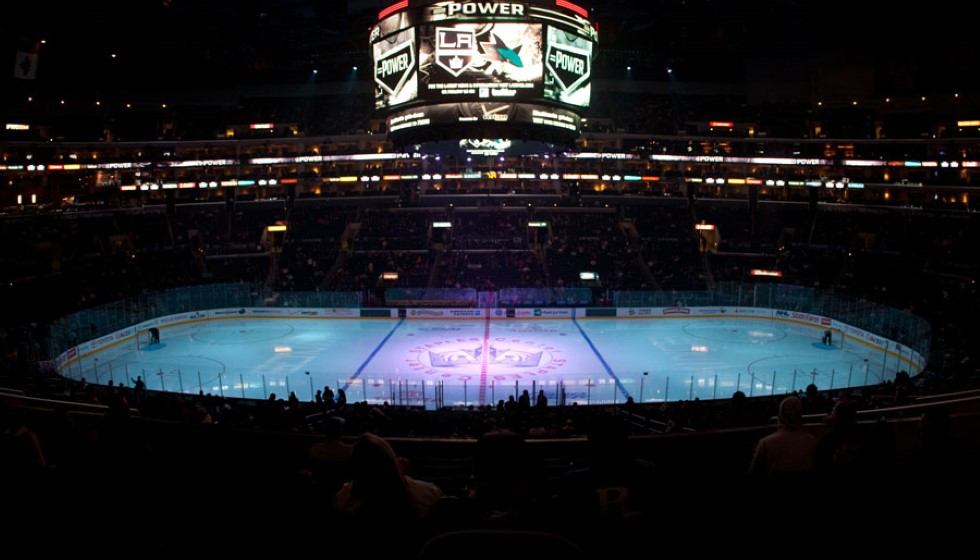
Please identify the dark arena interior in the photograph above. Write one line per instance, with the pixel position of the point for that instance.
(601, 158)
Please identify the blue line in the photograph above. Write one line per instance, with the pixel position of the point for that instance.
(601, 359)
(374, 352)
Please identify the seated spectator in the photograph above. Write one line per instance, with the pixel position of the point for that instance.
(605, 504)
(506, 488)
(814, 402)
(21, 457)
(381, 507)
(330, 458)
(379, 488)
(615, 485)
(844, 449)
(791, 449)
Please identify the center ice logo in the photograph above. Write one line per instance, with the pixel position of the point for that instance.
(503, 357)
(466, 356)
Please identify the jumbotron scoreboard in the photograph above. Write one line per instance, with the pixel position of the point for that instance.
(477, 69)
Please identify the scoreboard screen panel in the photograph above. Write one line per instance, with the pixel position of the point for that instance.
(470, 61)
(395, 69)
(568, 62)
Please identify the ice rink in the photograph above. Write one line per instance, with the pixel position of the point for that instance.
(476, 361)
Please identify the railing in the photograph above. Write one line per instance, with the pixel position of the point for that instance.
(436, 394)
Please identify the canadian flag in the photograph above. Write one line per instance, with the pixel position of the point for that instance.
(25, 65)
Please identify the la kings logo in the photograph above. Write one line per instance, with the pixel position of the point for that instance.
(393, 68)
(570, 66)
(455, 49)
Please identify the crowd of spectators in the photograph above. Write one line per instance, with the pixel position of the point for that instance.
(86, 258)
(596, 476)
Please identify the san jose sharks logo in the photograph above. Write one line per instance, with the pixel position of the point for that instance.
(497, 53)
(455, 49)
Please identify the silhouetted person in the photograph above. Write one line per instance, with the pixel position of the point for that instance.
(542, 400)
(121, 452)
(524, 401)
(938, 452)
(843, 450)
(379, 494)
(615, 485)
(902, 385)
(814, 402)
(507, 488)
(791, 449)
(603, 504)
(330, 458)
(139, 390)
(379, 489)
(21, 457)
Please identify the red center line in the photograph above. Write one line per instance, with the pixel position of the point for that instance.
(485, 358)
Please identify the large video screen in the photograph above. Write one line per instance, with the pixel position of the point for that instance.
(568, 60)
(473, 61)
(395, 69)
(448, 67)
